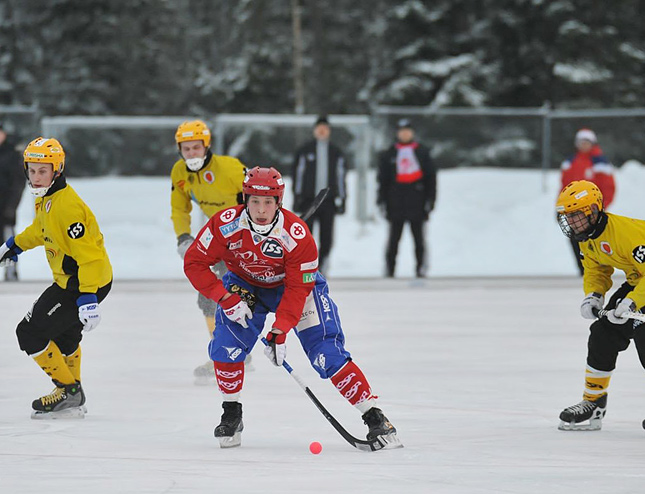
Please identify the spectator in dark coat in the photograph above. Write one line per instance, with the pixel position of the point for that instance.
(319, 164)
(407, 188)
(12, 183)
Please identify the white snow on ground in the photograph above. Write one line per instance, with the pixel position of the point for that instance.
(487, 222)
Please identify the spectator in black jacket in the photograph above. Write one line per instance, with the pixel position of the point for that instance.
(12, 183)
(319, 164)
(407, 188)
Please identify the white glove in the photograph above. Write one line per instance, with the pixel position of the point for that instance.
(89, 312)
(236, 310)
(9, 253)
(183, 242)
(591, 303)
(276, 350)
(619, 314)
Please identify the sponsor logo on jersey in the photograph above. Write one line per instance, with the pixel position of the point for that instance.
(308, 277)
(297, 231)
(272, 248)
(209, 176)
(227, 215)
(76, 230)
(233, 352)
(51, 253)
(320, 361)
(235, 245)
(48, 206)
(326, 307)
(606, 248)
(639, 254)
(306, 266)
(206, 237)
(181, 184)
(228, 230)
(54, 309)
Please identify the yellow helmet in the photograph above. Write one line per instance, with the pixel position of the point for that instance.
(45, 150)
(194, 130)
(579, 195)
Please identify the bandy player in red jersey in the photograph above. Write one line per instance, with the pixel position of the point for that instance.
(272, 261)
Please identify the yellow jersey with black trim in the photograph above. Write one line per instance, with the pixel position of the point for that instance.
(621, 245)
(74, 245)
(213, 188)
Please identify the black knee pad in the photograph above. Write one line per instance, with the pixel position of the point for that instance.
(29, 341)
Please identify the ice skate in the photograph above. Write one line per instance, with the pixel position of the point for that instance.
(380, 428)
(572, 417)
(66, 401)
(229, 431)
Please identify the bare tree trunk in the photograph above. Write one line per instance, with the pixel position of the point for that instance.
(297, 57)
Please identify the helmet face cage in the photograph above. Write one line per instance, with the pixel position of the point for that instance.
(578, 224)
(195, 130)
(263, 182)
(578, 207)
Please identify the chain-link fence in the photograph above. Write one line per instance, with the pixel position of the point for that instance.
(492, 137)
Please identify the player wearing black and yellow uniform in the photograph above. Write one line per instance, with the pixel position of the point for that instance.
(213, 183)
(607, 242)
(52, 330)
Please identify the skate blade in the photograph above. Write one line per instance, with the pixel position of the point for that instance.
(593, 425)
(68, 413)
(230, 441)
(390, 441)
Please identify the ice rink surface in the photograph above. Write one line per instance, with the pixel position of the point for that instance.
(472, 372)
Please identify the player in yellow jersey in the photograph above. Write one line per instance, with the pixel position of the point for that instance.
(213, 183)
(51, 331)
(607, 242)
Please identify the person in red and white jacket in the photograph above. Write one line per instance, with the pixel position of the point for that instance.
(272, 261)
(588, 163)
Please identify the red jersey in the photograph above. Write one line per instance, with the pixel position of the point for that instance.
(286, 256)
(594, 167)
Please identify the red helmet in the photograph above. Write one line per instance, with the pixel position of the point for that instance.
(263, 182)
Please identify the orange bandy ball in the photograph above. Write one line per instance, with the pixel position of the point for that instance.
(315, 447)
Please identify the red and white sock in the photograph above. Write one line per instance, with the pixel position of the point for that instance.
(352, 384)
(230, 378)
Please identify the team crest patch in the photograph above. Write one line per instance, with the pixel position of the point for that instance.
(206, 237)
(639, 254)
(227, 215)
(209, 176)
(76, 230)
(606, 248)
(297, 231)
(48, 206)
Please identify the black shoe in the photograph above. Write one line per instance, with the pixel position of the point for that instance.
(63, 396)
(231, 420)
(378, 423)
(593, 411)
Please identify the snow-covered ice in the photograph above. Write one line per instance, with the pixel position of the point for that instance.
(473, 373)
